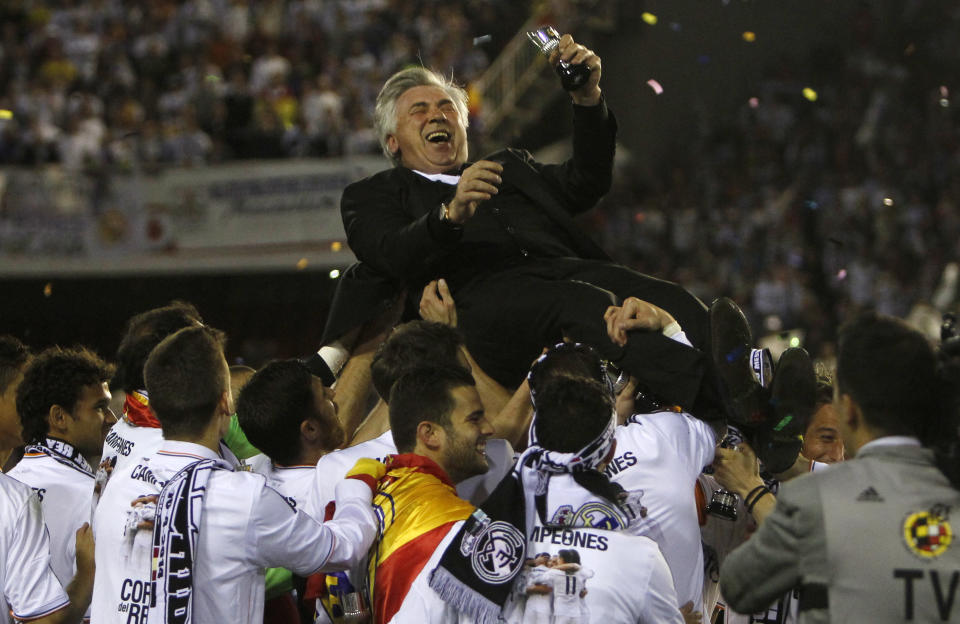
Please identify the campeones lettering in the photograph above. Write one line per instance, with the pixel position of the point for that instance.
(566, 537)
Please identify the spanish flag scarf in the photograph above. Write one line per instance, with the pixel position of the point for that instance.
(418, 505)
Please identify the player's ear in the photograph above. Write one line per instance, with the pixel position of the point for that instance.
(430, 435)
(392, 144)
(57, 419)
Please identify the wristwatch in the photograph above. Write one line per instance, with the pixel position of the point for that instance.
(445, 215)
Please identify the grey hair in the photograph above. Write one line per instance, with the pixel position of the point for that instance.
(385, 113)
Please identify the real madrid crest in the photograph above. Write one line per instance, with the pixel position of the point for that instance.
(927, 533)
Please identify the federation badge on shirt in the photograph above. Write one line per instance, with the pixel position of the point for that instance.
(927, 533)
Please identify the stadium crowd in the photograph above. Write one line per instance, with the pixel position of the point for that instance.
(810, 211)
(189, 82)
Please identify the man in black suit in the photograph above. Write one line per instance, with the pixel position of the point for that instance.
(501, 232)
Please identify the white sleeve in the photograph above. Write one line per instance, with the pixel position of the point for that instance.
(660, 603)
(296, 541)
(326, 475)
(32, 590)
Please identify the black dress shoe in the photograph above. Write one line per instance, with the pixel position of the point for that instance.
(775, 450)
(731, 341)
(793, 396)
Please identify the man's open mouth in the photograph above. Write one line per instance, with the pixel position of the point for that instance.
(438, 136)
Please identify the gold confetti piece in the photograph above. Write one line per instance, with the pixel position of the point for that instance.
(48, 289)
(649, 18)
(6, 114)
(749, 36)
(810, 94)
(302, 264)
(336, 246)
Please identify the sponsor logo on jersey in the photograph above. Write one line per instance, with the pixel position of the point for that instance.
(927, 534)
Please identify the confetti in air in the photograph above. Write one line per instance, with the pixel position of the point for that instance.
(334, 274)
(336, 246)
(810, 94)
(653, 84)
(842, 274)
(649, 18)
(48, 289)
(302, 264)
(6, 114)
(482, 39)
(754, 102)
(887, 201)
(749, 36)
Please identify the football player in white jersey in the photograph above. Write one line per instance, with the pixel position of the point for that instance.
(137, 432)
(410, 346)
(63, 402)
(234, 523)
(571, 505)
(290, 415)
(658, 457)
(29, 590)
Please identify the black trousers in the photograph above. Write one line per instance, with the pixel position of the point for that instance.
(509, 316)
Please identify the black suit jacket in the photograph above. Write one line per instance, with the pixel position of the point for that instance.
(393, 226)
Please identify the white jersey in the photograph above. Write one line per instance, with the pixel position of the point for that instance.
(65, 490)
(294, 482)
(660, 456)
(628, 580)
(121, 587)
(28, 587)
(126, 442)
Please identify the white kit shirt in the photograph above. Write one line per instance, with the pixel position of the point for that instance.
(247, 526)
(65, 489)
(660, 455)
(628, 580)
(28, 587)
(121, 586)
(334, 466)
(294, 482)
(125, 443)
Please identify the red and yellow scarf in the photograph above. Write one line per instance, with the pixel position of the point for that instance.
(136, 410)
(417, 505)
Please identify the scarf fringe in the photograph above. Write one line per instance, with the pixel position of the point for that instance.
(464, 598)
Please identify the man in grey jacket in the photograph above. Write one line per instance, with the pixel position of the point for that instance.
(871, 539)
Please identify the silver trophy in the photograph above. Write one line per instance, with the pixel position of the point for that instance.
(572, 76)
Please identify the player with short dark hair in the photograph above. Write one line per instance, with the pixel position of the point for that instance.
(217, 528)
(64, 406)
(137, 431)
